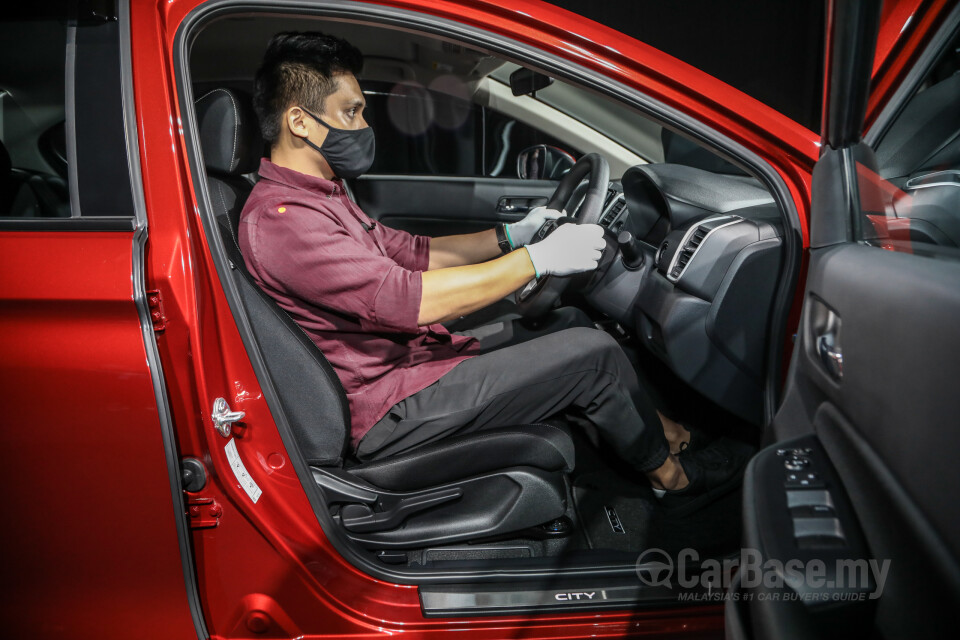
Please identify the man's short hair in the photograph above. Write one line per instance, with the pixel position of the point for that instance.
(298, 69)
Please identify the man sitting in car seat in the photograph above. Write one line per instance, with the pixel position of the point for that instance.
(372, 298)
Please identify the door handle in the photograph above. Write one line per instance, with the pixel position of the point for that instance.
(831, 357)
(519, 204)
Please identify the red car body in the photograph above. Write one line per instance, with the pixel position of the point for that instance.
(91, 541)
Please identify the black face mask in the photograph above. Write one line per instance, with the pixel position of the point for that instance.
(349, 152)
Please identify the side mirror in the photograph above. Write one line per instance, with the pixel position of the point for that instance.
(543, 162)
(526, 82)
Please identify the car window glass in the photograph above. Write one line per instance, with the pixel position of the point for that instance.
(910, 200)
(62, 133)
(33, 168)
(424, 131)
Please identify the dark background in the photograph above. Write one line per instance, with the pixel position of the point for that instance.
(769, 49)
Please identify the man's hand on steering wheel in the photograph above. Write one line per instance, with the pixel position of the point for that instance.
(577, 248)
(521, 232)
(572, 248)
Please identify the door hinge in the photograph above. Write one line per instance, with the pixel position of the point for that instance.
(203, 513)
(155, 304)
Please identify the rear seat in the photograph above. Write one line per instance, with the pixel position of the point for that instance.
(31, 194)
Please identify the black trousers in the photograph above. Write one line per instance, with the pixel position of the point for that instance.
(526, 375)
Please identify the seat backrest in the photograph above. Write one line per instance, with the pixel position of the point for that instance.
(308, 388)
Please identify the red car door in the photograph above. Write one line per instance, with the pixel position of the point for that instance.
(94, 538)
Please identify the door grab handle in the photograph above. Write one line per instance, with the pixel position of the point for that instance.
(830, 356)
(519, 204)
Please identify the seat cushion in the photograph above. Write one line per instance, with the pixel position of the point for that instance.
(541, 446)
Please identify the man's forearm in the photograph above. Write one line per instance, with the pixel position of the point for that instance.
(455, 291)
(468, 248)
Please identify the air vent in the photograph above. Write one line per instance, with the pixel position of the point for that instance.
(612, 212)
(690, 245)
(611, 194)
(692, 241)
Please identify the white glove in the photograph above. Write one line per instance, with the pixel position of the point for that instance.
(521, 232)
(572, 248)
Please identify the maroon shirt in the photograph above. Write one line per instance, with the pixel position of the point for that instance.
(355, 290)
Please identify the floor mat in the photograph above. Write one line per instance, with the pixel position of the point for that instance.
(613, 513)
(618, 515)
(713, 531)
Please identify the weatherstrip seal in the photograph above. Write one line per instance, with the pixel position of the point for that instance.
(146, 323)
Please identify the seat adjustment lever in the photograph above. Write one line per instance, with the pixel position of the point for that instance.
(361, 518)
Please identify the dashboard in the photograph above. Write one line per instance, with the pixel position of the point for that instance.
(700, 294)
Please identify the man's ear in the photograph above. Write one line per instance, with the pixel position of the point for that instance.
(295, 120)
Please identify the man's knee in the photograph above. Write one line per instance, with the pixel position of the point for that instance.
(590, 342)
(605, 354)
(571, 317)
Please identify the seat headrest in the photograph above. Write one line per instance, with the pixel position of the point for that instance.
(229, 134)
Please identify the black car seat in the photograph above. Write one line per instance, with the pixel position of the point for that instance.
(492, 483)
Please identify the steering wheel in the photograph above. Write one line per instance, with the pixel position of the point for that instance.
(540, 295)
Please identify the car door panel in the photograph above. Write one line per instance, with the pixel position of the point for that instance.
(437, 206)
(80, 415)
(885, 423)
(871, 392)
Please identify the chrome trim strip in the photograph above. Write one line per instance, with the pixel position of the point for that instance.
(471, 600)
(683, 243)
(947, 178)
(146, 323)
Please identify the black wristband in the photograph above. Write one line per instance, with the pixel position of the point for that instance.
(502, 240)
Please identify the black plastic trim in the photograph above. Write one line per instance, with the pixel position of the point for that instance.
(146, 324)
(851, 41)
(68, 224)
(509, 49)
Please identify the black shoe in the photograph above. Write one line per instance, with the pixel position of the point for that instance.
(712, 471)
(698, 440)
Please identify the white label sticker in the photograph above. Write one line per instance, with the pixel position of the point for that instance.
(240, 471)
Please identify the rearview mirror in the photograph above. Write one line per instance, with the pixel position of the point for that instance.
(526, 82)
(543, 162)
